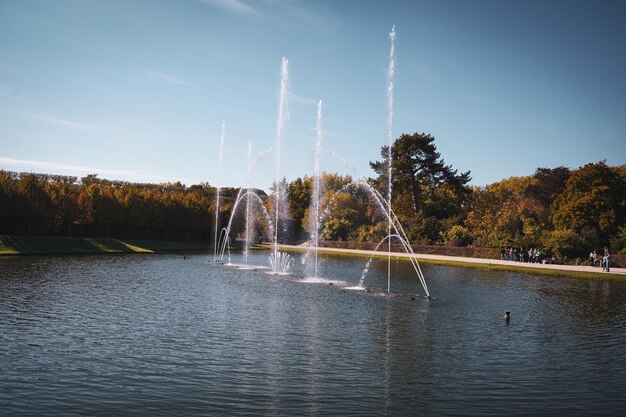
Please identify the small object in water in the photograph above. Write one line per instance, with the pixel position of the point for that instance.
(412, 298)
(368, 290)
(507, 316)
(330, 283)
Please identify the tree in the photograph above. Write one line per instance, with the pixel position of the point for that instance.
(418, 167)
(549, 182)
(346, 212)
(9, 196)
(33, 190)
(300, 196)
(618, 242)
(343, 208)
(428, 196)
(593, 202)
(64, 202)
(503, 213)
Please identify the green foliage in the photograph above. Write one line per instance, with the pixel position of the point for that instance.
(343, 208)
(300, 196)
(59, 205)
(344, 213)
(417, 168)
(562, 211)
(502, 210)
(336, 229)
(618, 242)
(457, 236)
(426, 191)
(568, 244)
(593, 198)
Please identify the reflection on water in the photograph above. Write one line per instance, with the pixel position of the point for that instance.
(163, 335)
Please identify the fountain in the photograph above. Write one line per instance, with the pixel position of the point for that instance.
(317, 182)
(281, 262)
(393, 222)
(224, 239)
(283, 115)
(246, 248)
(390, 73)
(217, 196)
(253, 206)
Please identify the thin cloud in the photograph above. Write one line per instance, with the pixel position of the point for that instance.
(325, 132)
(234, 6)
(166, 78)
(70, 124)
(302, 100)
(78, 170)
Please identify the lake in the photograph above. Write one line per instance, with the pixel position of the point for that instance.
(173, 335)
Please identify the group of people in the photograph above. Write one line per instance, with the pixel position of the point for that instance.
(518, 255)
(593, 259)
(535, 256)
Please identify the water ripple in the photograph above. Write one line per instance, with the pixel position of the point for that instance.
(163, 335)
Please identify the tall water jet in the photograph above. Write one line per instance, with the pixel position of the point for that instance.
(248, 194)
(317, 180)
(390, 73)
(282, 118)
(217, 185)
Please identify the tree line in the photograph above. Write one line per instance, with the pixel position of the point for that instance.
(564, 212)
(58, 205)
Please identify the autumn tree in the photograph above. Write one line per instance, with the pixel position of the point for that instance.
(64, 202)
(592, 205)
(35, 200)
(505, 213)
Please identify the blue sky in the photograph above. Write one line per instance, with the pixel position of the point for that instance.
(138, 89)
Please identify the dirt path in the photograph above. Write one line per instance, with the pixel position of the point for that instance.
(445, 258)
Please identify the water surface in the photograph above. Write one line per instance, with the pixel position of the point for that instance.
(164, 335)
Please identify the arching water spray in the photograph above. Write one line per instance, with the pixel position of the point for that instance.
(390, 73)
(397, 229)
(225, 234)
(217, 185)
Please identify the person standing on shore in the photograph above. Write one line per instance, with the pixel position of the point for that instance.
(605, 259)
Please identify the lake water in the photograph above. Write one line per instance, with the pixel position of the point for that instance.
(163, 335)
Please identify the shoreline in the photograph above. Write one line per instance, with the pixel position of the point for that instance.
(61, 246)
(577, 271)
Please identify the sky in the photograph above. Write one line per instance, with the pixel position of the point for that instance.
(138, 90)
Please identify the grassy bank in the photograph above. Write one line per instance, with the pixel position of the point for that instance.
(44, 245)
(513, 267)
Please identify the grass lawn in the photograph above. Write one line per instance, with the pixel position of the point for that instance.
(45, 245)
